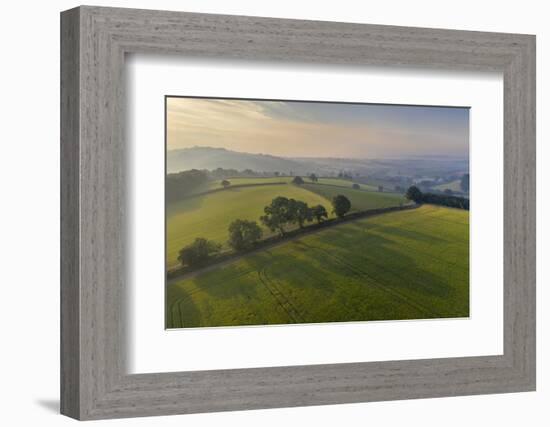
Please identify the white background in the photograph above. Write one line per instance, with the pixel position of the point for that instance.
(29, 238)
(153, 349)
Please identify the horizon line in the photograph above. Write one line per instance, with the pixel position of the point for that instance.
(321, 157)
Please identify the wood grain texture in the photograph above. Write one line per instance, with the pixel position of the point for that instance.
(70, 291)
(94, 382)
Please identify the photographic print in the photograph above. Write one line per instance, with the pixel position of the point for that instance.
(295, 212)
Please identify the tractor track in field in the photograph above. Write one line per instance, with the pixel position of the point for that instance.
(282, 300)
(443, 261)
(286, 304)
(422, 215)
(417, 280)
(428, 217)
(431, 257)
(362, 273)
(189, 295)
(283, 242)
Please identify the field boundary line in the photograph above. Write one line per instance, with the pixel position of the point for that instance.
(356, 189)
(297, 234)
(229, 188)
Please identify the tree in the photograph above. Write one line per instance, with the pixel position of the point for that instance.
(300, 212)
(446, 200)
(181, 184)
(313, 177)
(277, 214)
(276, 173)
(414, 194)
(225, 183)
(198, 252)
(448, 191)
(380, 188)
(244, 234)
(341, 205)
(465, 183)
(319, 212)
(298, 180)
(356, 186)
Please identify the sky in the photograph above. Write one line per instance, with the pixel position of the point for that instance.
(313, 129)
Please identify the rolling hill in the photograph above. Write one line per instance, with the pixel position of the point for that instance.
(403, 265)
(212, 158)
(209, 215)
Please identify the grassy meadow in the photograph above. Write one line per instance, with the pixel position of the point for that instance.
(360, 199)
(410, 264)
(209, 215)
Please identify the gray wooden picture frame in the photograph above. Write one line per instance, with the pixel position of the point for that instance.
(94, 381)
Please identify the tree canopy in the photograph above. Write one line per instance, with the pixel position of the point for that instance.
(319, 213)
(300, 212)
(414, 194)
(277, 214)
(244, 234)
(198, 252)
(298, 180)
(341, 205)
(181, 184)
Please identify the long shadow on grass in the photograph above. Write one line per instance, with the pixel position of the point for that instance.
(184, 206)
(234, 280)
(337, 263)
(181, 310)
(384, 260)
(395, 231)
(195, 201)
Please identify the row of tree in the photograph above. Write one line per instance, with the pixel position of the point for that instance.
(245, 234)
(414, 193)
(283, 211)
(181, 184)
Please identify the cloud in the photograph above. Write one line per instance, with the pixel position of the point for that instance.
(316, 129)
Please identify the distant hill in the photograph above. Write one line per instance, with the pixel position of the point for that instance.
(213, 158)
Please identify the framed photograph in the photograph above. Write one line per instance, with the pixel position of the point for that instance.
(262, 213)
(280, 218)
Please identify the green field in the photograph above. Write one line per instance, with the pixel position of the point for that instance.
(216, 184)
(342, 183)
(212, 185)
(253, 180)
(360, 200)
(209, 215)
(404, 265)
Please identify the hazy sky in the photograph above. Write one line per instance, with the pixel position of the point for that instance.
(305, 129)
